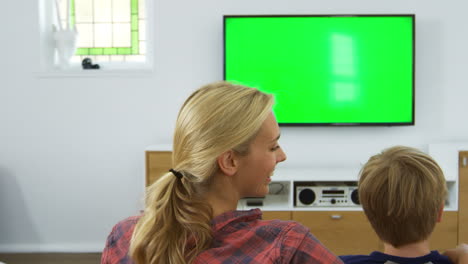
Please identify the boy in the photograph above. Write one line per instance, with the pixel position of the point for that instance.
(402, 191)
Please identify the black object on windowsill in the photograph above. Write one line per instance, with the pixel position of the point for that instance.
(87, 64)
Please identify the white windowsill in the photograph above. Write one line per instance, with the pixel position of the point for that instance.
(136, 70)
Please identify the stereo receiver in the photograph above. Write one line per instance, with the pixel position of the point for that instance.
(331, 194)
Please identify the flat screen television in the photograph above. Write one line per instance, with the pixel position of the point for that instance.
(326, 69)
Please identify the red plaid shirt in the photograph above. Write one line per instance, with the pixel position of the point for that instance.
(238, 237)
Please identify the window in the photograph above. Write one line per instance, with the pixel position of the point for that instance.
(108, 30)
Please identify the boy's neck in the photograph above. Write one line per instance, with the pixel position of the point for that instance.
(412, 250)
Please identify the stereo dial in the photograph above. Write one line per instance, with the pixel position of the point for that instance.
(355, 197)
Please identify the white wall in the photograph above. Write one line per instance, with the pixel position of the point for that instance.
(71, 149)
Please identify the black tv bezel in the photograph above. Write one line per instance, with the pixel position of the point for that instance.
(413, 17)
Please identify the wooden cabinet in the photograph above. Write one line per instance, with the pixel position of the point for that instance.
(343, 232)
(463, 197)
(157, 163)
(445, 234)
(281, 215)
(349, 232)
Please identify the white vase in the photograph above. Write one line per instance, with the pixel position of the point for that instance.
(65, 44)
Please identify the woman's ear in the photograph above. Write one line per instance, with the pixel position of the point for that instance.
(227, 163)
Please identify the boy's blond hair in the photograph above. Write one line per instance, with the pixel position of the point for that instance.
(402, 191)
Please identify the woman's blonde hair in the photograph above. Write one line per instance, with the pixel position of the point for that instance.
(402, 191)
(175, 226)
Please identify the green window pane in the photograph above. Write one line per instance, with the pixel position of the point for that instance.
(82, 51)
(72, 16)
(135, 42)
(124, 51)
(134, 22)
(110, 51)
(134, 4)
(96, 51)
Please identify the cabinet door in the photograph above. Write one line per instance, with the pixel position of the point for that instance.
(445, 233)
(281, 215)
(463, 198)
(342, 232)
(157, 163)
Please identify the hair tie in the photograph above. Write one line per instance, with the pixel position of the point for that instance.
(176, 173)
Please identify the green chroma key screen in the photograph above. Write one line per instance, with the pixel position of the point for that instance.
(326, 70)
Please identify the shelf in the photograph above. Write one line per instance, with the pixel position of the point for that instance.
(281, 198)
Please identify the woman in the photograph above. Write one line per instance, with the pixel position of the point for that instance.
(225, 148)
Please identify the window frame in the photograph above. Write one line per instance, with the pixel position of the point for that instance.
(47, 57)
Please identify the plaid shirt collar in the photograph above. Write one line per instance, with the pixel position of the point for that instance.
(231, 217)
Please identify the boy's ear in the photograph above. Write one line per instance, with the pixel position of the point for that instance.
(439, 215)
(228, 163)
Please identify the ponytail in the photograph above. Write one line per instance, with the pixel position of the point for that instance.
(175, 226)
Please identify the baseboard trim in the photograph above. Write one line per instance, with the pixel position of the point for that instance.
(51, 248)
